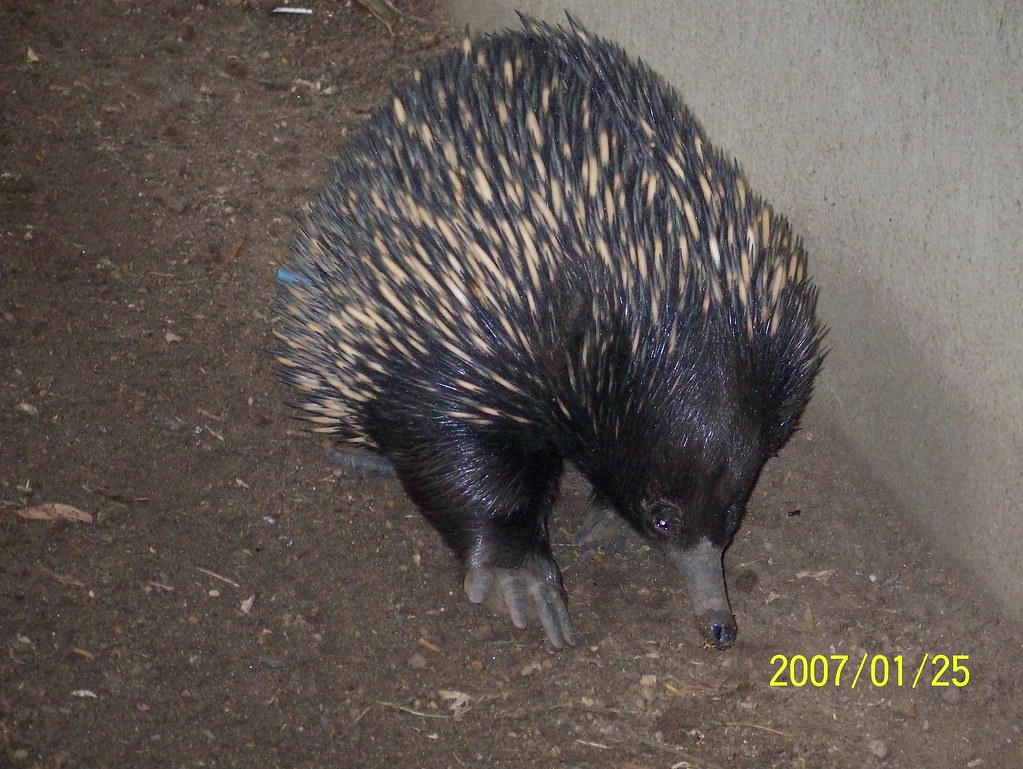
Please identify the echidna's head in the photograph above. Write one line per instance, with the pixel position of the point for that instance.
(690, 507)
(683, 476)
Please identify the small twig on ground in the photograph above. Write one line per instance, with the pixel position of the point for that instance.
(218, 576)
(410, 711)
(385, 11)
(761, 727)
(676, 750)
(110, 494)
(429, 646)
(62, 578)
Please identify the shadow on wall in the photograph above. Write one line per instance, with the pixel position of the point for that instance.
(929, 441)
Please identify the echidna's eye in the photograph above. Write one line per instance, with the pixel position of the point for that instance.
(662, 517)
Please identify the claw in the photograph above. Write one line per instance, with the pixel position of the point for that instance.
(477, 584)
(553, 614)
(514, 598)
(516, 588)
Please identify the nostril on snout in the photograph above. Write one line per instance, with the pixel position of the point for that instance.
(723, 633)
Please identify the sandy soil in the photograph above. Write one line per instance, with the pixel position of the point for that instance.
(241, 600)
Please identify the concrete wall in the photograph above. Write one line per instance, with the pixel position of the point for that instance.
(891, 135)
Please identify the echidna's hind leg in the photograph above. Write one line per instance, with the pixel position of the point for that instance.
(490, 502)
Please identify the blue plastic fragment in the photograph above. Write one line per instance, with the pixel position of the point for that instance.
(285, 275)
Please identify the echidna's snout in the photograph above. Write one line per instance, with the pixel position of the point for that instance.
(718, 628)
(704, 578)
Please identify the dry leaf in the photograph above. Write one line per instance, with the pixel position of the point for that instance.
(232, 252)
(459, 703)
(27, 408)
(52, 511)
(383, 10)
(809, 623)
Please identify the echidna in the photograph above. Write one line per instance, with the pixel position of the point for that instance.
(533, 255)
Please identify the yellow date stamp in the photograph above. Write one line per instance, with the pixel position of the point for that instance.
(876, 670)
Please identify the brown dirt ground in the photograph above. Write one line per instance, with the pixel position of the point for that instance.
(153, 154)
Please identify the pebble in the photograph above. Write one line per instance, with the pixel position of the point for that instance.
(746, 580)
(483, 632)
(646, 691)
(417, 661)
(27, 408)
(951, 695)
(877, 748)
(529, 669)
(174, 201)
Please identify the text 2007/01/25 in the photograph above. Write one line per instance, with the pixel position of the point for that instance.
(877, 670)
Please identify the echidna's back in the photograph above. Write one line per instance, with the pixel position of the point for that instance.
(530, 218)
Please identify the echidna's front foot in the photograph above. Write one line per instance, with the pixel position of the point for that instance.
(604, 527)
(516, 587)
